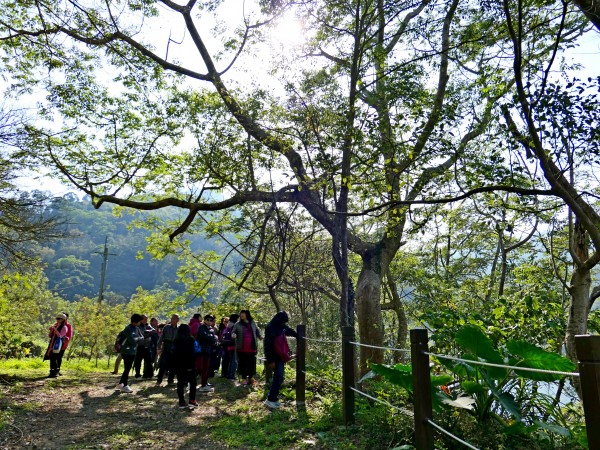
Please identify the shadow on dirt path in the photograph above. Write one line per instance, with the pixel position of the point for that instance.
(85, 412)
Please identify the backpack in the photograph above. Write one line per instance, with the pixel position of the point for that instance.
(119, 341)
(281, 347)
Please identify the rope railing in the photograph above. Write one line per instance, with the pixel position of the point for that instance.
(502, 366)
(447, 433)
(383, 402)
(359, 344)
(424, 426)
(324, 341)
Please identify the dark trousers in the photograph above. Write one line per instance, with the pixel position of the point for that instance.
(277, 381)
(246, 364)
(225, 362)
(127, 362)
(202, 366)
(60, 357)
(232, 364)
(54, 366)
(165, 364)
(183, 377)
(143, 353)
(215, 362)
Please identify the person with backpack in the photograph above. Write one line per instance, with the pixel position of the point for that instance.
(184, 361)
(57, 332)
(132, 336)
(277, 353)
(207, 340)
(246, 335)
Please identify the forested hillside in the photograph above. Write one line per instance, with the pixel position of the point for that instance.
(73, 263)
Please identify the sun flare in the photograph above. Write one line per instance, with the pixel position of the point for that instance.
(288, 32)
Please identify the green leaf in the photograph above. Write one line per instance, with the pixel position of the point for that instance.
(532, 356)
(400, 374)
(473, 340)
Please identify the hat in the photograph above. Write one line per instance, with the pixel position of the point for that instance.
(61, 316)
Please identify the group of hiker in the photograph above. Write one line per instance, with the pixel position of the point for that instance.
(194, 352)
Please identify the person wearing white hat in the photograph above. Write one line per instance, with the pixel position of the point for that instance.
(57, 332)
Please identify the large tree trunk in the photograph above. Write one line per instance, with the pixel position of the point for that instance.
(370, 319)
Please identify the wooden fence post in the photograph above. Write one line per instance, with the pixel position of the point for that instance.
(348, 374)
(588, 353)
(422, 389)
(300, 365)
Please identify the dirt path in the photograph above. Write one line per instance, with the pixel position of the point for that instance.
(85, 412)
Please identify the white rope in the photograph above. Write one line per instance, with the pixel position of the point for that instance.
(503, 366)
(324, 341)
(383, 402)
(322, 379)
(405, 350)
(456, 438)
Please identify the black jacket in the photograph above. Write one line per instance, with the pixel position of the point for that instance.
(183, 354)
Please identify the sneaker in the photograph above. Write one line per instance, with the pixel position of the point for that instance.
(126, 389)
(119, 386)
(206, 389)
(193, 403)
(182, 406)
(209, 384)
(272, 405)
(252, 382)
(244, 383)
(137, 375)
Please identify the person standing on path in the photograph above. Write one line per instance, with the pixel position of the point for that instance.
(229, 365)
(143, 351)
(165, 344)
(276, 333)
(66, 340)
(57, 332)
(207, 340)
(133, 337)
(184, 361)
(246, 335)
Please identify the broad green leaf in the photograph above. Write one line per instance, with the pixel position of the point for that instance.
(473, 388)
(400, 374)
(473, 340)
(532, 356)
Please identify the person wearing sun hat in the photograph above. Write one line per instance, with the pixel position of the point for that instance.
(57, 332)
(66, 341)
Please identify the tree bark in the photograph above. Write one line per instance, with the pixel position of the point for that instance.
(581, 283)
(370, 319)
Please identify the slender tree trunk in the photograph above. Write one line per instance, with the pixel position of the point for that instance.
(581, 281)
(580, 287)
